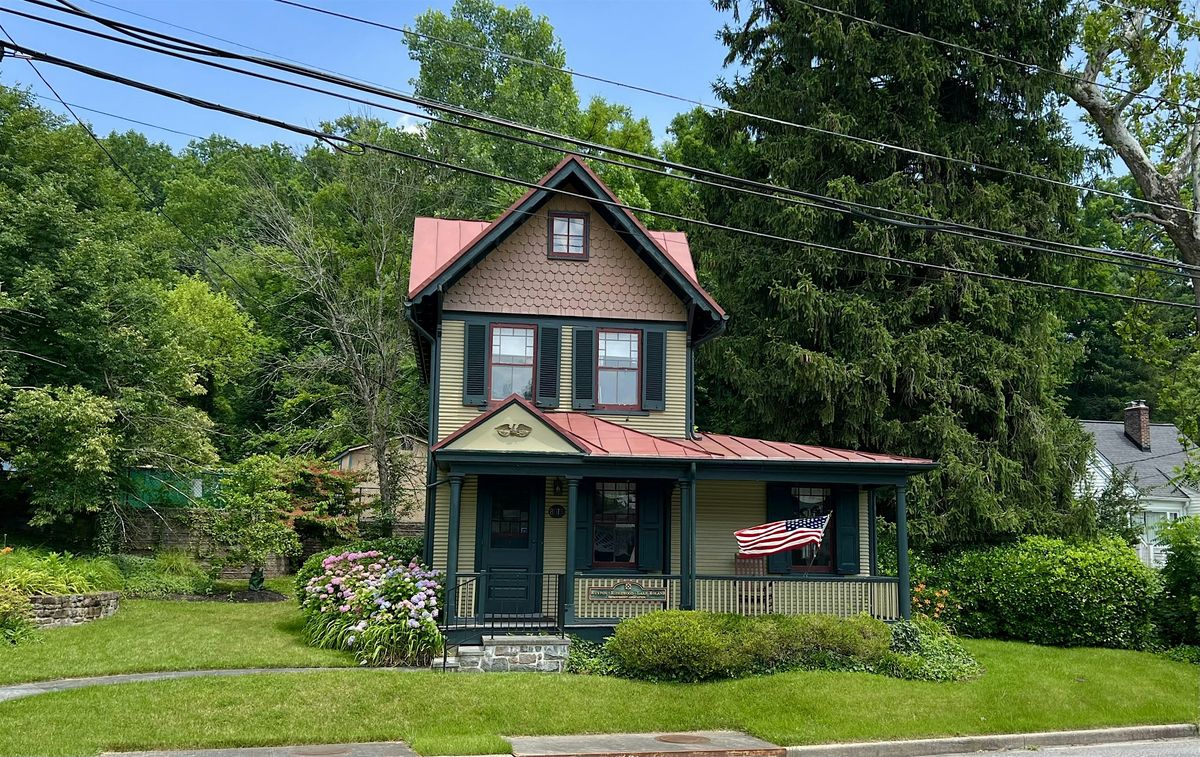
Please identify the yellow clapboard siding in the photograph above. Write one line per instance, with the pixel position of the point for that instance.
(723, 507)
(554, 537)
(466, 525)
(452, 413)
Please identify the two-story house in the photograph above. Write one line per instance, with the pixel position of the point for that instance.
(567, 485)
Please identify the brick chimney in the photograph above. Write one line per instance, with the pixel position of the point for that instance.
(1137, 424)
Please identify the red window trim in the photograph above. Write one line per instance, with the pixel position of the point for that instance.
(637, 503)
(637, 402)
(550, 253)
(533, 365)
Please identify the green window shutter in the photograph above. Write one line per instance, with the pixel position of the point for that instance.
(583, 369)
(845, 521)
(654, 374)
(650, 526)
(475, 349)
(547, 366)
(583, 528)
(780, 506)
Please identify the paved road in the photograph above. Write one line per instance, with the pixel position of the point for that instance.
(1172, 748)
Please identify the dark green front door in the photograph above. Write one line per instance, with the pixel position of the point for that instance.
(510, 544)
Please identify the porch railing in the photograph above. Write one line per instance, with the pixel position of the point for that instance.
(602, 598)
(474, 609)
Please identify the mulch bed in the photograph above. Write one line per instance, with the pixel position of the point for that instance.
(234, 596)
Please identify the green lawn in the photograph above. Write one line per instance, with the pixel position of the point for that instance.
(149, 635)
(1025, 688)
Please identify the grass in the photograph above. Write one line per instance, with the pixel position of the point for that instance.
(1025, 688)
(150, 635)
(285, 585)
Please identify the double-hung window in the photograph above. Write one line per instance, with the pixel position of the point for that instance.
(614, 524)
(511, 366)
(568, 236)
(618, 364)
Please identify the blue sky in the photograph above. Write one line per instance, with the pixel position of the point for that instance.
(668, 45)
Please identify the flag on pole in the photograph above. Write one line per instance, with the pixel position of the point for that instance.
(781, 535)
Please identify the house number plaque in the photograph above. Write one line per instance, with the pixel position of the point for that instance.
(627, 591)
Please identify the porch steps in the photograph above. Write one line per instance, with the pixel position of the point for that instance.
(464, 656)
(690, 744)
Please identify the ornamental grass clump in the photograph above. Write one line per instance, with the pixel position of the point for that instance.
(382, 609)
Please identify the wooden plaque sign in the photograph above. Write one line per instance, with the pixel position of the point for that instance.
(627, 591)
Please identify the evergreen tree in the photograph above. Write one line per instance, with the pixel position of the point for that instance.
(828, 348)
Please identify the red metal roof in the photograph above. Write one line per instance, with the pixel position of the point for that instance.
(603, 438)
(437, 242)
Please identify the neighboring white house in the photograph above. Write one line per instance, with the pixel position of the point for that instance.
(362, 459)
(1153, 454)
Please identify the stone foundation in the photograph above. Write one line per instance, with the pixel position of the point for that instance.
(543, 654)
(73, 609)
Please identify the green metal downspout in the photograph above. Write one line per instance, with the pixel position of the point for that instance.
(456, 483)
(902, 554)
(568, 590)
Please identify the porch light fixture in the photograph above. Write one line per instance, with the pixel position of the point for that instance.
(558, 486)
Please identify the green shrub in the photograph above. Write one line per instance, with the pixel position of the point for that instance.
(1184, 653)
(1048, 591)
(16, 625)
(404, 549)
(591, 658)
(162, 575)
(1179, 606)
(29, 571)
(925, 650)
(698, 646)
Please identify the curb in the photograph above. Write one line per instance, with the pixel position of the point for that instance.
(1024, 741)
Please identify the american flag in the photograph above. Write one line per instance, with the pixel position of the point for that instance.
(781, 535)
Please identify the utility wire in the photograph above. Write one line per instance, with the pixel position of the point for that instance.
(745, 114)
(147, 124)
(363, 145)
(146, 195)
(1147, 14)
(830, 204)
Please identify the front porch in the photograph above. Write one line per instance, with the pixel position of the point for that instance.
(604, 600)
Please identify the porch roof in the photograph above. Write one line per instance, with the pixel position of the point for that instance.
(597, 437)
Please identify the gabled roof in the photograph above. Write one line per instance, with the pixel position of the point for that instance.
(596, 437)
(1154, 469)
(444, 250)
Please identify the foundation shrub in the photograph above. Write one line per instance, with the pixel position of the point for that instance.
(696, 646)
(382, 609)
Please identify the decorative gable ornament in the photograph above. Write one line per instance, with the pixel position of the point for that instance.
(519, 430)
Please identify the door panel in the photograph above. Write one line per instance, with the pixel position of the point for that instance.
(511, 537)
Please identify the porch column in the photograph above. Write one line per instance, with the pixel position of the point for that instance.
(456, 484)
(902, 554)
(567, 596)
(687, 544)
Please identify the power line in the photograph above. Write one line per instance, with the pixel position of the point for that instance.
(861, 210)
(746, 114)
(364, 145)
(1147, 14)
(147, 124)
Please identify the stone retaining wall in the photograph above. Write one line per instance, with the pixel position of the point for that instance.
(546, 654)
(73, 609)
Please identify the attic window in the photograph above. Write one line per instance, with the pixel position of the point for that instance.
(568, 236)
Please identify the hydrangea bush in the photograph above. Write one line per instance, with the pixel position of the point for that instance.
(381, 608)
